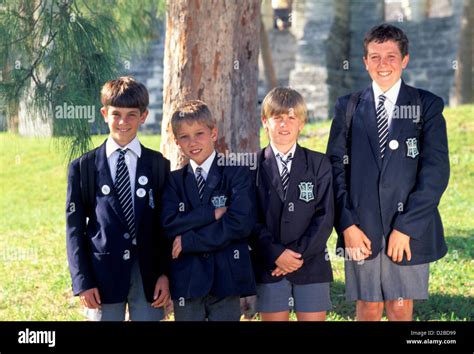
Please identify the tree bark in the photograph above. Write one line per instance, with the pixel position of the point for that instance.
(269, 70)
(211, 54)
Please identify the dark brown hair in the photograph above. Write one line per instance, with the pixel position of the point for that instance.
(125, 92)
(386, 32)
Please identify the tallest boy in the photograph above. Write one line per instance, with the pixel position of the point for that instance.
(388, 182)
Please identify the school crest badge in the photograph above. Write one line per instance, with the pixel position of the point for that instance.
(219, 201)
(306, 191)
(412, 148)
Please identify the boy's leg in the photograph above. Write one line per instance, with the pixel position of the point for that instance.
(107, 312)
(363, 284)
(311, 301)
(311, 316)
(399, 310)
(402, 284)
(274, 300)
(138, 307)
(275, 316)
(189, 309)
(369, 311)
(223, 308)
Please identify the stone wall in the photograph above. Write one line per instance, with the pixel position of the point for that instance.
(148, 69)
(320, 55)
(330, 47)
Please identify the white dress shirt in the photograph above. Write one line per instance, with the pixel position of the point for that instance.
(391, 97)
(206, 165)
(131, 157)
(284, 156)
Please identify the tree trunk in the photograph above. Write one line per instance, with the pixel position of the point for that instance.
(211, 54)
(269, 70)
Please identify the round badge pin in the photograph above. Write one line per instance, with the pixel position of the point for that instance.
(143, 180)
(105, 189)
(141, 192)
(393, 144)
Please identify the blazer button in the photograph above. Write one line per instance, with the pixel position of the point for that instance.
(206, 255)
(126, 235)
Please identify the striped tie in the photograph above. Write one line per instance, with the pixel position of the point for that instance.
(382, 124)
(285, 175)
(124, 191)
(200, 181)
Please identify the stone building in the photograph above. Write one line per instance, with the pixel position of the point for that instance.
(320, 54)
(327, 62)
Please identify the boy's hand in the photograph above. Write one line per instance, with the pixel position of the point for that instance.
(176, 247)
(289, 261)
(162, 292)
(278, 272)
(90, 298)
(219, 212)
(398, 243)
(357, 243)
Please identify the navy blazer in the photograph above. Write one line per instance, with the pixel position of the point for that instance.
(302, 221)
(215, 257)
(97, 250)
(403, 190)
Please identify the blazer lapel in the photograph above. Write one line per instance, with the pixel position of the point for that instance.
(190, 186)
(396, 124)
(298, 169)
(105, 178)
(271, 169)
(366, 112)
(143, 169)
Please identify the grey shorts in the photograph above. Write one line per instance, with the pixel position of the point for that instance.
(284, 296)
(138, 308)
(210, 308)
(380, 279)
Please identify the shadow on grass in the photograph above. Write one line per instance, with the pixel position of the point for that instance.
(439, 307)
(444, 307)
(462, 246)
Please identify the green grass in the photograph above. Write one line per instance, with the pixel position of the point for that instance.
(34, 277)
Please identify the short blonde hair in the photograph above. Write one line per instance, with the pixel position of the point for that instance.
(192, 111)
(284, 100)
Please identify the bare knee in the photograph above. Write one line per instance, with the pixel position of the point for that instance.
(399, 310)
(369, 311)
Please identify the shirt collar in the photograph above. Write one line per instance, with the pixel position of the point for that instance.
(391, 94)
(111, 146)
(206, 165)
(291, 151)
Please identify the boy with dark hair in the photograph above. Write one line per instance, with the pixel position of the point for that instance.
(389, 151)
(116, 250)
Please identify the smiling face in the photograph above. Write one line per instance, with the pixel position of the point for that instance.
(196, 140)
(123, 122)
(283, 130)
(384, 63)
